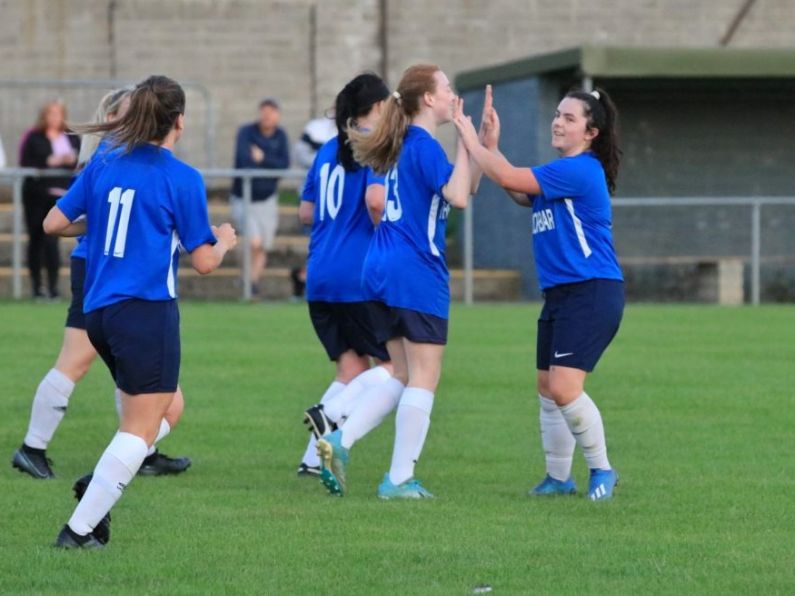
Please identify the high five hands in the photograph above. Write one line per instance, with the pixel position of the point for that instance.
(489, 134)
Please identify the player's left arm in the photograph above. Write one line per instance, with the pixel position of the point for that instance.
(57, 224)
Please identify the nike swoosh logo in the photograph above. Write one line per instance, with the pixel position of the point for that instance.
(59, 408)
(563, 355)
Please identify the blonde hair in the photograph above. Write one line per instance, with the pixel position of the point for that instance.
(380, 148)
(41, 120)
(109, 105)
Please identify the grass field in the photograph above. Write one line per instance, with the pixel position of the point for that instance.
(698, 407)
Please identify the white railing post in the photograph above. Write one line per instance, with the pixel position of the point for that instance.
(246, 281)
(756, 250)
(16, 239)
(469, 254)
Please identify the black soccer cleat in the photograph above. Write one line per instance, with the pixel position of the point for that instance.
(312, 471)
(102, 531)
(33, 461)
(159, 464)
(67, 538)
(317, 421)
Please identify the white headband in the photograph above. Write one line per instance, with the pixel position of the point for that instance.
(596, 95)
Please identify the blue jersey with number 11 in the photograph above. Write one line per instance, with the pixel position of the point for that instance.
(139, 207)
(341, 228)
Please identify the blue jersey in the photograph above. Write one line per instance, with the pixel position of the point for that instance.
(341, 229)
(139, 208)
(572, 223)
(405, 266)
(80, 249)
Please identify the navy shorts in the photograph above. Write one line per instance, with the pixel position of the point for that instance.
(578, 322)
(391, 322)
(75, 317)
(343, 326)
(139, 341)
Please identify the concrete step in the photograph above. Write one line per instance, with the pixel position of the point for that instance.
(219, 213)
(289, 251)
(224, 284)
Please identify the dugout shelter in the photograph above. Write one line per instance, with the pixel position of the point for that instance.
(696, 122)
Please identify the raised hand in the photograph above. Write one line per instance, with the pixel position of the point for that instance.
(463, 123)
(489, 134)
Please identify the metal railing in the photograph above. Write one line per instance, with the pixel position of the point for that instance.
(16, 177)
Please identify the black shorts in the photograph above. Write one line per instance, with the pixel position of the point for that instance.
(74, 316)
(391, 322)
(343, 326)
(139, 341)
(578, 322)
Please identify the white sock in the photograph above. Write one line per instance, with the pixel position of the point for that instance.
(344, 402)
(311, 458)
(411, 427)
(165, 428)
(114, 471)
(372, 407)
(557, 440)
(585, 422)
(49, 408)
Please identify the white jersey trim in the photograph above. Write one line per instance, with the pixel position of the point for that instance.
(170, 281)
(586, 250)
(432, 224)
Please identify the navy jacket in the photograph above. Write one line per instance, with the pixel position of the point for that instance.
(277, 156)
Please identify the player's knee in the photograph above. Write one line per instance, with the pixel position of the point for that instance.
(175, 410)
(562, 391)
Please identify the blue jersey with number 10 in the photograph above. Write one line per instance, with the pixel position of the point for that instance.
(139, 206)
(341, 228)
(405, 266)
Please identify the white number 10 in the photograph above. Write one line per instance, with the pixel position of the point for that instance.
(115, 197)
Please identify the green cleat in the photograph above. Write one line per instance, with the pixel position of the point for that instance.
(333, 460)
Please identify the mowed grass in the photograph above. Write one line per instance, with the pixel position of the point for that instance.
(697, 402)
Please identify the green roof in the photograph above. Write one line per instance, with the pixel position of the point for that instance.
(623, 62)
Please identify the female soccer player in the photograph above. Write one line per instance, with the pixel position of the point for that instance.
(77, 354)
(578, 272)
(405, 274)
(342, 201)
(141, 204)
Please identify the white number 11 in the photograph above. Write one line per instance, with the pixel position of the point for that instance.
(115, 197)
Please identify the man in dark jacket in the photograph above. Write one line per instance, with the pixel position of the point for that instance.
(262, 144)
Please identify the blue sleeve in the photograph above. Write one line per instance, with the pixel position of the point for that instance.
(190, 213)
(75, 202)
(433, 165)
(279, 159)
(373, 178)
(309, 192)
(562, 179)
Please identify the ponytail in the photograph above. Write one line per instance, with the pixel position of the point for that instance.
(155, 105)
(380, 148)
(108, 106)
(355, 100)
(602, 115)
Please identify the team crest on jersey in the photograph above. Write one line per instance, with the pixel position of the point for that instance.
(543, 221)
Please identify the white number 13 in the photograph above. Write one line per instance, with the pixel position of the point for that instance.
(115, 197)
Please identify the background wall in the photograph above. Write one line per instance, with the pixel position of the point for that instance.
(302, 51)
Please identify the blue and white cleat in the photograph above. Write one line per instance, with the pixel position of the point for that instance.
(333, 459)
(410, 489)
(601, 484)
(550, 486)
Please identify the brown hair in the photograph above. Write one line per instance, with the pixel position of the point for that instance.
(155, 105)
(602, 115)
(41, 121)
(380, 148)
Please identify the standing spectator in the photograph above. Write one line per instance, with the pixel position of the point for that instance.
(47, 146)
(261, 144)
(316, 133)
